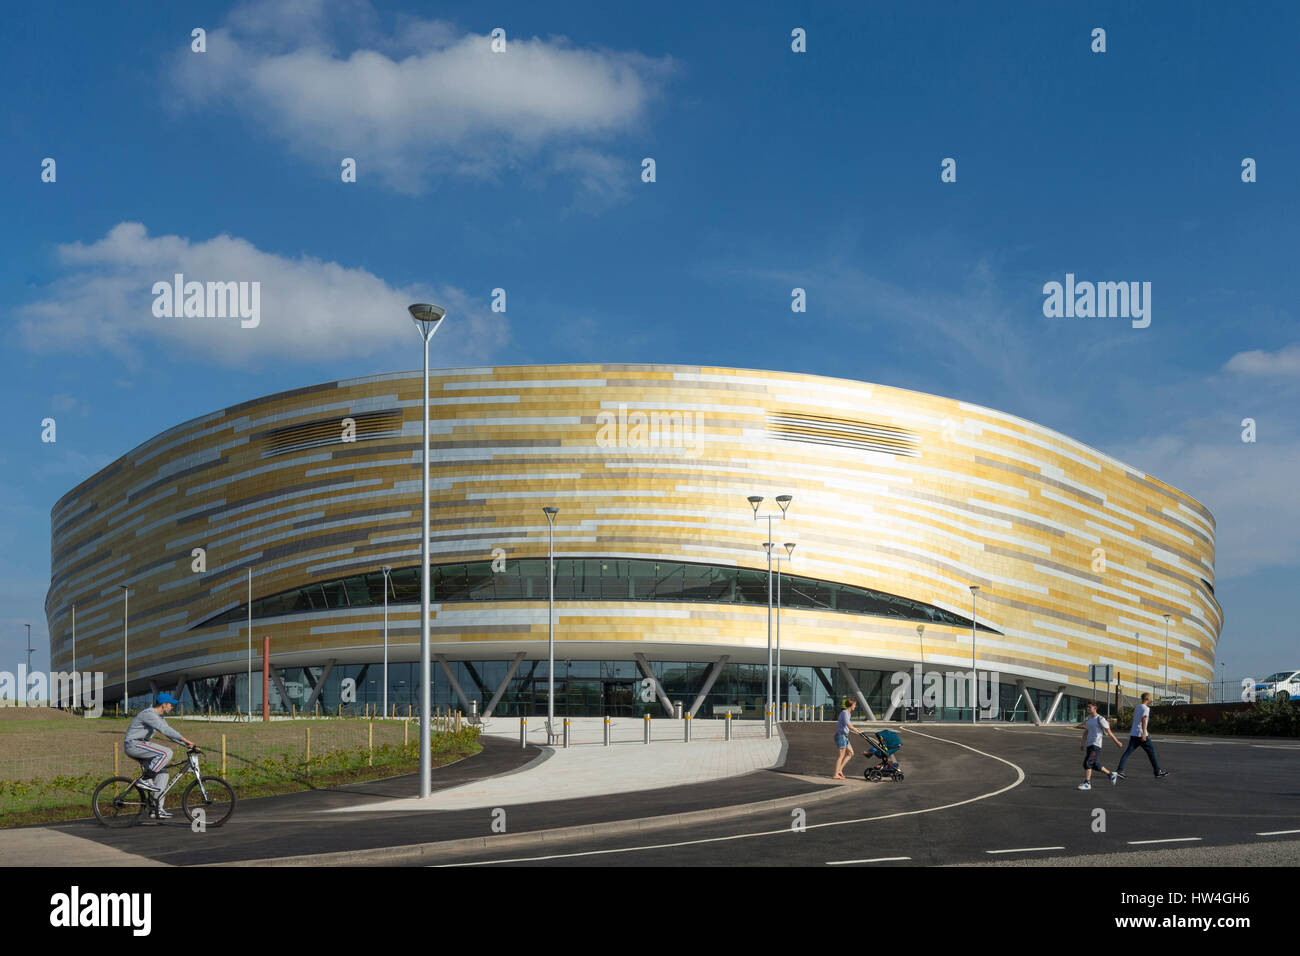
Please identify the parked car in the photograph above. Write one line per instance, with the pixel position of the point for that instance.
(1174, 699)
(1284, 685)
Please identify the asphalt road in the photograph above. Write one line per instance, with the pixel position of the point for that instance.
(993, 795)
(294, 824)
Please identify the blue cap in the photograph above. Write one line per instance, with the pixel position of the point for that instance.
(166, 698)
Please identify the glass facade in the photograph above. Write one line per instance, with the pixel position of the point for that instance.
(585, 689)
(590, 579)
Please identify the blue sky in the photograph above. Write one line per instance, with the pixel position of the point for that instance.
(774, 169)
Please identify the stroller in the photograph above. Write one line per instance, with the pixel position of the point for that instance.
(887, 744)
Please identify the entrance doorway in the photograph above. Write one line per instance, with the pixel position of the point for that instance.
(619, 699)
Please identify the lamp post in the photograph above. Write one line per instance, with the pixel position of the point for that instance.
(29, 659)
(550, 511)
(789, 555)
(1223, 679)
(126, 698)
(784, 502)
(427, 318)
(76, 681)
(387, 570)
(1137, 652)
(919, 692)
(974, 675)
(250, 643)
(1166, 690)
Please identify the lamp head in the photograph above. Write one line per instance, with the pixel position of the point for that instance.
(426, 316)
(789, 549)
(784, 502)
(426, 312)
(974, 588)
(385, 568)
(754, 502)
(550, 511)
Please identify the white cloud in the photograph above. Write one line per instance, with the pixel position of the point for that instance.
(311, 310)
(1285, 361)
(417, 104)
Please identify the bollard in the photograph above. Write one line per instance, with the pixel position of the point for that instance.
(566, 731)
(223, 755)
(687, 733)
(523, 729)
(606, 731)
(309, 745)
(646, 724)
(406, 733)
(767, 720)
(115, 760)
(821, 712)
(727, 724)
(370, 743)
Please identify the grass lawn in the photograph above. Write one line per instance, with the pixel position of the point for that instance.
(50, 762)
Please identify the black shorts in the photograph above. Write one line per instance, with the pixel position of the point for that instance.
(1092, 759)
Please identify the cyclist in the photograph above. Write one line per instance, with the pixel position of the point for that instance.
(152, 757)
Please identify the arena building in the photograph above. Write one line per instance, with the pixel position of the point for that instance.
(900, 502)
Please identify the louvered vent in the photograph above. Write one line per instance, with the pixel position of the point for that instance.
(329, 431)
(843, 432)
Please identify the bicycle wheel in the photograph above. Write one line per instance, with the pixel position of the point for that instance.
(117, 803)
(217, 805)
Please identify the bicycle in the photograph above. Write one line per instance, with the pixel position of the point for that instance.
(118, 802)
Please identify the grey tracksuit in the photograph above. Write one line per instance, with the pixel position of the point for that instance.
(151, 756)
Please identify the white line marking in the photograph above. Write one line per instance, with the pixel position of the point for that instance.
(1026, 849)
(1273, 747)
(1170, 840)
(1020, 778)
(879, 859)
(1277, 832)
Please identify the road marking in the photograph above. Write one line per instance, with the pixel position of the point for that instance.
(879, 859)
(1277, 832)
(1026, 849)
(1273, 747)
(1170, 840)
(1020, 778)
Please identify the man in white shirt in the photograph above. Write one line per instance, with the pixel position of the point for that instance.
(1093, 728)
(1138, 737)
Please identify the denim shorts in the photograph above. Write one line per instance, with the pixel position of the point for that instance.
(841, 741)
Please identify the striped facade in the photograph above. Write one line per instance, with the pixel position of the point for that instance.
(1075, 553)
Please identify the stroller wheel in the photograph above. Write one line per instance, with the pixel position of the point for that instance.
(872, 775)
(898, 776)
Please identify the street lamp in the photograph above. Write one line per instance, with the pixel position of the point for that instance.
(550, 511)
(387, 570)
(29, 653)
(789, 554)
(784, 502)
(1166, 691)
(919, 692)
(126, 699)
(250, 642)
(974, 675)
(1137, 653)
(427, 318)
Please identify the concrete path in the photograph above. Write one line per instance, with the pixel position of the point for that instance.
(588, 768)
(42, 846)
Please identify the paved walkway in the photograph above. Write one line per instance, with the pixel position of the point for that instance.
(587, 768)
